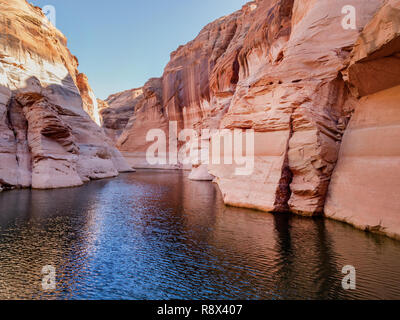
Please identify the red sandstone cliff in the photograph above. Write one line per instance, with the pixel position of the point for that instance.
(47, 140)
(290, 71)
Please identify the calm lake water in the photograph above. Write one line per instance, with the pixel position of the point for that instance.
(157, 235)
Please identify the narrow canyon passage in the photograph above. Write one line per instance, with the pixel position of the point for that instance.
(158, 235)
(121, 197)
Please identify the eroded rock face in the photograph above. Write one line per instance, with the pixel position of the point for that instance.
(291, 93)
(273, 66)
(52, 146)
(365, 186)
(289, 70)
(149, 114)
(90, 102)
(184, 93)
(116, 111)
(47, 140)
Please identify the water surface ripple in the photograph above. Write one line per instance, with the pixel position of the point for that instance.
(157, 235)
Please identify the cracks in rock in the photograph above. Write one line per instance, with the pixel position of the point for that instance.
(331, 132)
(11, 126)
(235, 69)
(376, 229)
(17, 123)
(284, 192)
(9, 123)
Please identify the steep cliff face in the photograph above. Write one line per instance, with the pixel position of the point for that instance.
(291, 93)
(365, 186)
(149, 114)
(90, 103)
(47, 140)
(287, 70)
(184, 93)
(116, 111)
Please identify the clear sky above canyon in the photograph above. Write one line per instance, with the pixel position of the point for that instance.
(120, 44)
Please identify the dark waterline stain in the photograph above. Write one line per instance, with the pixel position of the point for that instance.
(157, 235)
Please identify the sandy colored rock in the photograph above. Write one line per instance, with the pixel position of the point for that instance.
(200, 173)
(183, 93)
(149, 114)
(51, 144)
(47, 140)
(90, 103)
(289, 71)
(290, 82)
(116, 111)
(274, 67)
(365, 188)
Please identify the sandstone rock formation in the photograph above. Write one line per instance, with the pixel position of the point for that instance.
(287, 70)
(90, 102)
(291, 93)
(365, 186)
(47, 140)
(116, 111)
(149, 114)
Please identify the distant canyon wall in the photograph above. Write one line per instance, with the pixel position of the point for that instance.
(47, 140)
(322, 100)
(117, 110)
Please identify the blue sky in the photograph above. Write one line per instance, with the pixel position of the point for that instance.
(120, 44)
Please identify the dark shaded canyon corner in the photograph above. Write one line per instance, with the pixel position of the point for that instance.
(318, 85)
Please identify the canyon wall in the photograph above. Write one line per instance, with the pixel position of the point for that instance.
(47, 140)
(116, 111)
(149, 113)
(89, 100)
(290, 91)
(291, 71)
(365, 187)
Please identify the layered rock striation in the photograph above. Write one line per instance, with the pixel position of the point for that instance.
(365, 186)
(291, 92)
(149, 114)
(320, 95)
(91, 104)
(116, 111)
(47, 140)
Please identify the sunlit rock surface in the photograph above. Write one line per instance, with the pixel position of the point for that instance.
(291, 93)
(149, 114)
(365, 186)
(47, 140)
(290, 71)
(90, 103)
(116, 111)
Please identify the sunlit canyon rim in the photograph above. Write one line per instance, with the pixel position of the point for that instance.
(322, 99)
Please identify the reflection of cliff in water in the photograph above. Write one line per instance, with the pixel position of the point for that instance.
(158, 235)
